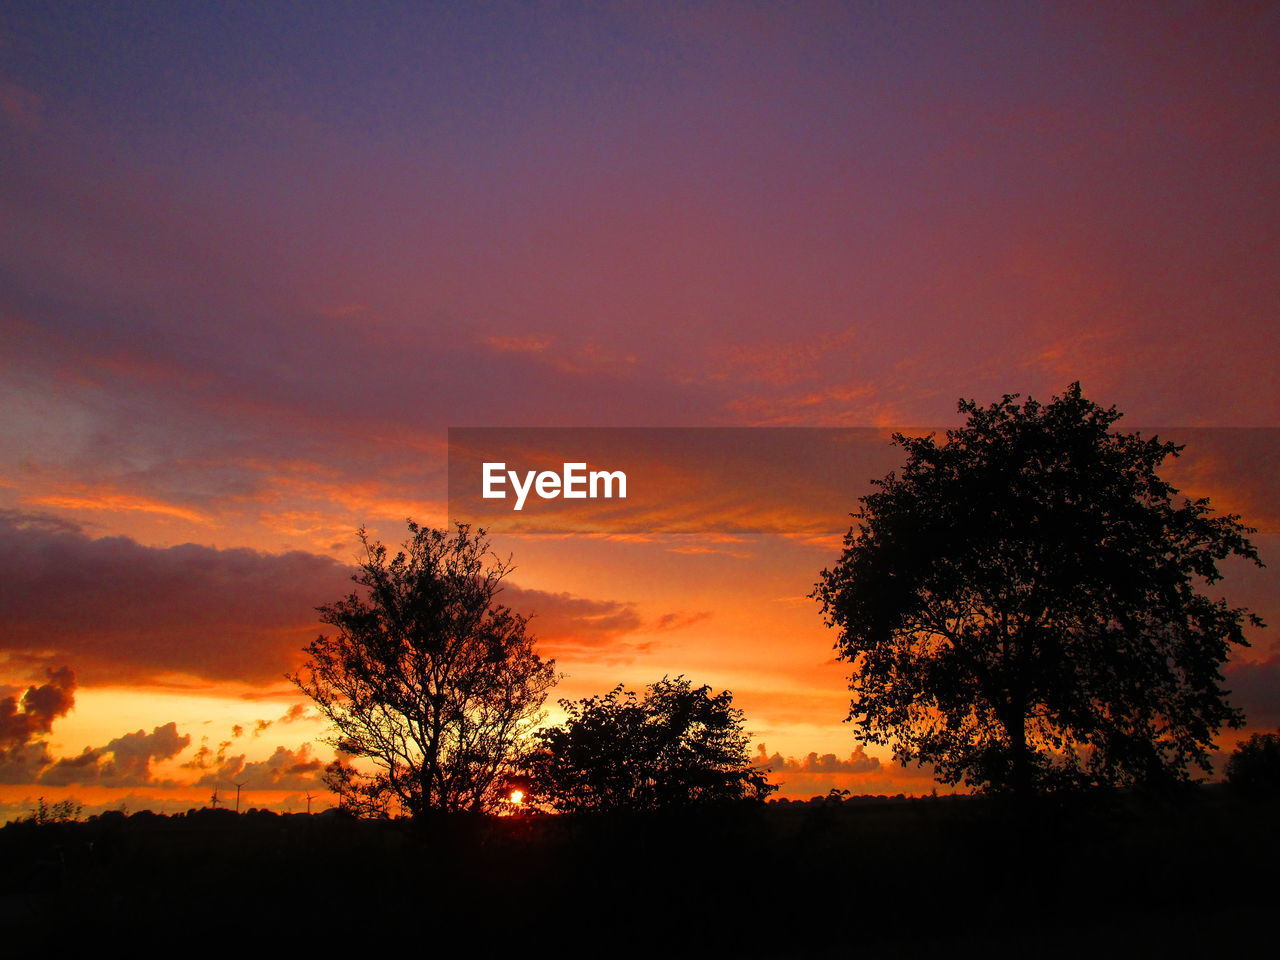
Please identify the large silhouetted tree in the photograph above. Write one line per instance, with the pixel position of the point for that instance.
(1024, 604)
(432, 685)
(677, 745)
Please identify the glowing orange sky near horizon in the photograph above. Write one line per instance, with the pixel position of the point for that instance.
(739, 619)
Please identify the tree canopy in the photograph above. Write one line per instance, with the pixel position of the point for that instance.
(675, 746)
(432, 685)
(1254, 766)
(1024, 604)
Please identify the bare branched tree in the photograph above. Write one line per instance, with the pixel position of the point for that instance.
(428, 680)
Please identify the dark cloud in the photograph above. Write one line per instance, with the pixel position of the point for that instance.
(23, 763)
(1255, 689)
(678, 621)
(123, 762)
(25, 720)
(125, 611)
(133, 613)
(861, 774)
(858, 762)
(33, 715)
(39, 521)
(285, 769)
(205, 758)
(296, 712)
(610, 631)
(562, 617)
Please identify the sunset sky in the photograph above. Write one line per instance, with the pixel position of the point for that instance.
(255, 260)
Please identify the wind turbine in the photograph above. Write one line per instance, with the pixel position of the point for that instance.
(238, 786)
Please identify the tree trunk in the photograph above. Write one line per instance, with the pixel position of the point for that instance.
(1020, 774)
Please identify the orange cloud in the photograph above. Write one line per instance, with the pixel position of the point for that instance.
(860, 774)
(118, 501)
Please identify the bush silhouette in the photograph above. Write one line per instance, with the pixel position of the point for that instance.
(676, 746)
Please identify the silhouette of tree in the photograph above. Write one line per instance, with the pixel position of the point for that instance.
(1022, 605)
(1254, 766)
(427, 679)
(675, 746)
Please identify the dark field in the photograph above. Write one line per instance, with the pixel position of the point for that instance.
(917, 877)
